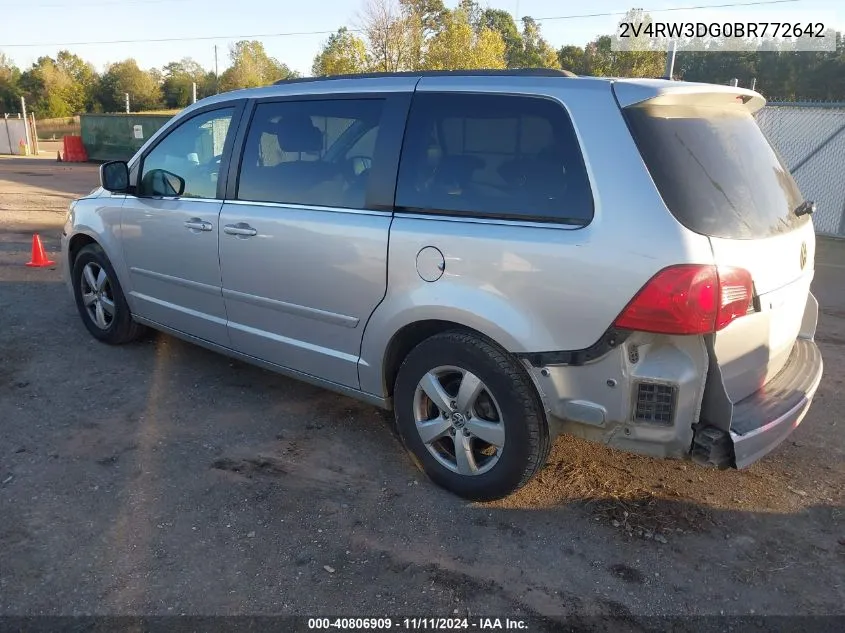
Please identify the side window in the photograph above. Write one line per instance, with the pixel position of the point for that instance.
(316, 152)
(364, 146)
(493, 155)
(192, 152)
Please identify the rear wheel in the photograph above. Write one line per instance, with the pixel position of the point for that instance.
(99, 298)
(470, 415)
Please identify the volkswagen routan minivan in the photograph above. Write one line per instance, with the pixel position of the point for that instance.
(497, 256)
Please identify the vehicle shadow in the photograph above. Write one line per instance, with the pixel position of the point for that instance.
(559, 563)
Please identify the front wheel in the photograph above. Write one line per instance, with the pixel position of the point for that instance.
(470, 415)
(99, 298)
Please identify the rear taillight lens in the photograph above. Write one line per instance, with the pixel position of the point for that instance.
(689, 299)
(736, 292)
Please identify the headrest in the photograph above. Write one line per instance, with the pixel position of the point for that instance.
(299, 134)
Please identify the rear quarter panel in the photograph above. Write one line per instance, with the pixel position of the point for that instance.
(533, 287)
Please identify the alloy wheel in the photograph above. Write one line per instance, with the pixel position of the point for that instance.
(459, 420)
(97, 296)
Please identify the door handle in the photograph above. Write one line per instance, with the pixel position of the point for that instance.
(197, 224)
(241, 228)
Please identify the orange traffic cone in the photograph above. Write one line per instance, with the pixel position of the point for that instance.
(39, 257)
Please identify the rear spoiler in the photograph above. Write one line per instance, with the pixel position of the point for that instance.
(663, 92)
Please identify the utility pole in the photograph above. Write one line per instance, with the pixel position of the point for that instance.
(25, 124)
(670, 60)
(8, 134)
(216, 74)
(35, 148)
(127, 103)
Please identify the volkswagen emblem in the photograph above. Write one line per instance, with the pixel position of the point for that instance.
(803, 256)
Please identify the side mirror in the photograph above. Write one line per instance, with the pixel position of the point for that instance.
(114, 176)
(163, 183)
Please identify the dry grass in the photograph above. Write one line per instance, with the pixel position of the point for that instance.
(639, 496)
(613, 493)
(57, 128)
(171, 112)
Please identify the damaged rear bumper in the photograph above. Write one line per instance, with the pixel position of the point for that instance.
(765, 418)
(597, 399)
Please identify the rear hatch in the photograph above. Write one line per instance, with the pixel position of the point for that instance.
(720, 177)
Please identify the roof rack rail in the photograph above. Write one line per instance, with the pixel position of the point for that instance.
(508, 72)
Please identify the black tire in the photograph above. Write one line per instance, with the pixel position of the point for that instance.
(121, 328)
(527, 441)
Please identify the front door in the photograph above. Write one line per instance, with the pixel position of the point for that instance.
(303, 244)
(170, 238)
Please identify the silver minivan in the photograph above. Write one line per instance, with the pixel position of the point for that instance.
(496, 256)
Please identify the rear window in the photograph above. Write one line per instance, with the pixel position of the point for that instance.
(496, 156)
(716, 171)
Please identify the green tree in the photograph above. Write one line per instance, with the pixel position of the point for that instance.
(252, 67)
(144, 88)
(779, 73)
(633, 57)
(418, 21)
(9, 85)
(473, 12)
(573, 59)
(59, 87)
(50, 92)
(602, 61)
(502, 22)
(457, 45)
(534, 51)
(429, 12)
(342, 54)
(80, 97)
(179, 77)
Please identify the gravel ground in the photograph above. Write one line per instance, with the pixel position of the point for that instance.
(159, 478)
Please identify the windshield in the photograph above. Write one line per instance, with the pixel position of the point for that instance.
(716, 171)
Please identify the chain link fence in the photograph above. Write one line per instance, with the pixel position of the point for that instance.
(811, 139)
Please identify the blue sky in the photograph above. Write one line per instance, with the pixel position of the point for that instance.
(54, 22)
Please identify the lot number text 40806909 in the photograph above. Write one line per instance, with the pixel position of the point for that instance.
(419, 624)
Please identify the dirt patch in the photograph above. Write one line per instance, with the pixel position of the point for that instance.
(251, 466)
(626, 573)
(14, 360)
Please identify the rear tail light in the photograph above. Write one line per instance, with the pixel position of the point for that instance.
(736, 292)
(689, 299)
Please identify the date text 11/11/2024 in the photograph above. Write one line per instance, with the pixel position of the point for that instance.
(419, 624)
